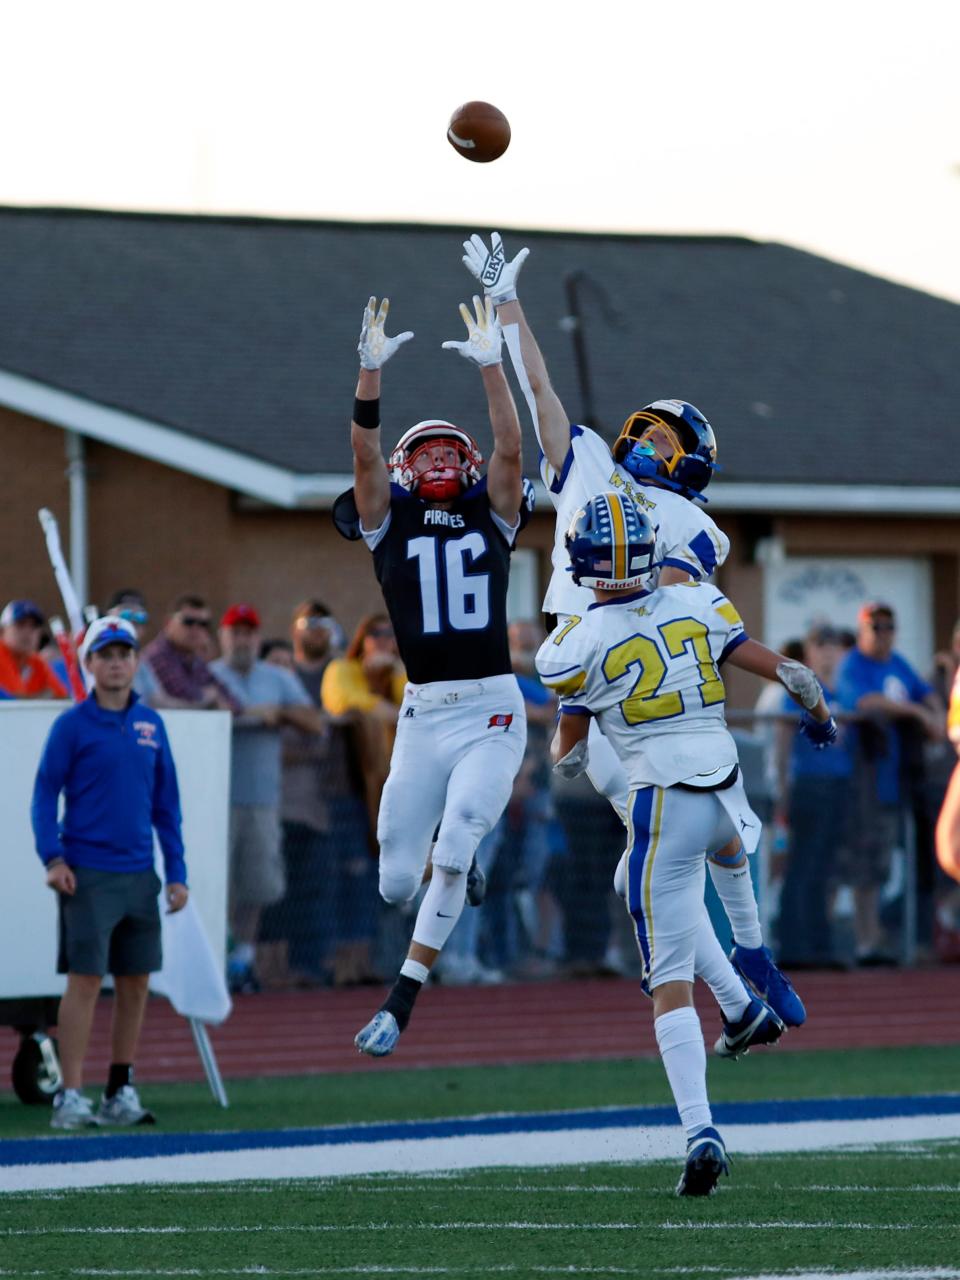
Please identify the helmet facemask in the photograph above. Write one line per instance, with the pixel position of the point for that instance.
(642, 438)
(675, 447)
(435, 480)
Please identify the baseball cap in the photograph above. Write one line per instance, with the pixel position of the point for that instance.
(872, 608)
(241, 615)
(105, 631)
(823, 633)
(17, 610)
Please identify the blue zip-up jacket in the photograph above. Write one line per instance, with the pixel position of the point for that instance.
(120, 783)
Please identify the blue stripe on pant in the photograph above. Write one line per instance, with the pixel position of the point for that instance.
(643, 825)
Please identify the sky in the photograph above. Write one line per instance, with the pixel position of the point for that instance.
(833, 127)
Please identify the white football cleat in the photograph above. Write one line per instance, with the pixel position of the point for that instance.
(124, 1108)
(379, 1037)
(71, 1110)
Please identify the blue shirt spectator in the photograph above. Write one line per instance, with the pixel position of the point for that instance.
(873, 680)
(805, 760)
(120, 783)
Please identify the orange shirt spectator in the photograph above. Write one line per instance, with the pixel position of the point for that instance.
(23, 673)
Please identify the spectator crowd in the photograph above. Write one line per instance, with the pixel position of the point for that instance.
(313, 720)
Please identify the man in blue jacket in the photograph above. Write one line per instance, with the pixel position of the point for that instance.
(110, 757)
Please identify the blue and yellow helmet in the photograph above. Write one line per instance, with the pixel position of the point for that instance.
(669, 442)
(612, 544)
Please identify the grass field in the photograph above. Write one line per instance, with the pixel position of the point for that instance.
(457, 1091)
(839, 1213)
(880, 1210)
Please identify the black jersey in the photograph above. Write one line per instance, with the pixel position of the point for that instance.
(444, 575)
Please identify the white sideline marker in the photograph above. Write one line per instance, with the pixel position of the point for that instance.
(504, 1150)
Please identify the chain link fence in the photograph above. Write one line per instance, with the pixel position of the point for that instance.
(845, 874)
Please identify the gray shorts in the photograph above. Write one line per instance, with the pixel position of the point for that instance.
(257, 875)
(111, 924)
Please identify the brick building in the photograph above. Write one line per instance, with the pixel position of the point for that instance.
(179, 388)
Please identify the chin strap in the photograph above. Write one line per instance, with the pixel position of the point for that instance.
(664, 482)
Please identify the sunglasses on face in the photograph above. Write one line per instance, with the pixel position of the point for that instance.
(139, 617)
(313, 623)
(190, 621)
(882, 626)
(381, 633)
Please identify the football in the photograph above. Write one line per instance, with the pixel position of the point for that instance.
(479, 132)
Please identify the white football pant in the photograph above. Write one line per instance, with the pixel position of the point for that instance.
(459, 746)
(669, 832)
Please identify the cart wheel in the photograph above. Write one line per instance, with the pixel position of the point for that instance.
(36, 1070)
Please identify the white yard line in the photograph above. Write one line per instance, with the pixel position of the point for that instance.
(628, 1145)
(892, 1273)
(493, 1224)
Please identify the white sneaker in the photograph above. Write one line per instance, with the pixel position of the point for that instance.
(71, 1110)
(124, 1108)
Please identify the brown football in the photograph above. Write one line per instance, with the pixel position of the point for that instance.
(479, 132)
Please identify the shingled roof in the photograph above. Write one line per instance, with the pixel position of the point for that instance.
(241, 332)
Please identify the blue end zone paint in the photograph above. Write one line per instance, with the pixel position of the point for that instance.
(133, 1146)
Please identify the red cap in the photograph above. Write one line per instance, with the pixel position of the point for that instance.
(241, 615)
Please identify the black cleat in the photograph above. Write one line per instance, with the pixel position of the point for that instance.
(706, 1161)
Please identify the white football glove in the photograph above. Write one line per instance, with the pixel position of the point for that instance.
(798, 679)
(498, 277)
(574, 762)
(484, 335)
(375, 347)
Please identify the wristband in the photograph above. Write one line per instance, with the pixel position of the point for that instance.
(500, 298)
(366, 414)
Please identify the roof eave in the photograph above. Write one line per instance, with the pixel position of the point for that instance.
(278, 486)
(159, 443)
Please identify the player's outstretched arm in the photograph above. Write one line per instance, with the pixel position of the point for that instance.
(371, 481)
(816, 722)
(499, 280)
(483, 347)
(505, 469)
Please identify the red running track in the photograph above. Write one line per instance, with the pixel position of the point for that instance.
(294, 1033)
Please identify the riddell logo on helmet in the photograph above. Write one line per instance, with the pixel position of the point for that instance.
(500, 722)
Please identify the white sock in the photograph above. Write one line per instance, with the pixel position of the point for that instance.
(680, 1041)
(711, 964)
(440, 909)
(735, 890)
(415, 970)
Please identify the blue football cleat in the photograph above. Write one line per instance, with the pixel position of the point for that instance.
(706, 1161)
(379, 1037)
(756, 967)
(759, 1025)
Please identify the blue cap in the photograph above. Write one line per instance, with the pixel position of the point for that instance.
(105, 631)
(17, 610)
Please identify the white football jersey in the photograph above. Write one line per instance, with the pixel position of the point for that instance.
(687, 538)
(647, 666)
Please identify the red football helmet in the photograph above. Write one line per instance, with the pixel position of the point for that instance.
(435, 480)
